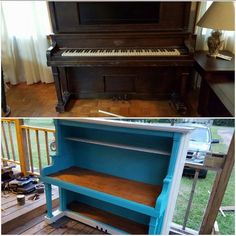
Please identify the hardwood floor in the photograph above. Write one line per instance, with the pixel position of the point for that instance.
(39, 100)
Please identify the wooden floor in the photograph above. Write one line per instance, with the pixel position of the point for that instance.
(39, 100)
(37, 226)
(13, 215)
(29, 218)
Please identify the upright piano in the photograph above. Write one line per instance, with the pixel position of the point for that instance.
(130, 50)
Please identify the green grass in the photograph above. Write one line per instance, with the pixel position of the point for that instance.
(200, 200)
(46, 123)
(201, 196)
(219, 147)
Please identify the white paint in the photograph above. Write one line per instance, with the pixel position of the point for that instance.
(56, 216)
(93, 223)
(175, 184)
(132, 125)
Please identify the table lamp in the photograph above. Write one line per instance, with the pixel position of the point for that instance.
(219, 16)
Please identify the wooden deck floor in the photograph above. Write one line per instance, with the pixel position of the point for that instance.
(39, 100)
(13, 215)
(29, 218)
(37, 226)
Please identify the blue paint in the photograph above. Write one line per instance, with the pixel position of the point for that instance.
(62, 199)
(151, 168)
(111, 208)
(102, 196)
(48, 192)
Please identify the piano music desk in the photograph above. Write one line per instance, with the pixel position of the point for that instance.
(116, 176)
(216, 98)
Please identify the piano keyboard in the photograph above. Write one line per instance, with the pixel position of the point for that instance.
(121, 52)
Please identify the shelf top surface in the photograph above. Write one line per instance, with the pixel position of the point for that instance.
(120, 187)
(125, 124)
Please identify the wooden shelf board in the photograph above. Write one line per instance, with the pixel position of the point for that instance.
(108, 218)
(128, 189)
(121, 146)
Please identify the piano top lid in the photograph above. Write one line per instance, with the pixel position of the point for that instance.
(127, 124)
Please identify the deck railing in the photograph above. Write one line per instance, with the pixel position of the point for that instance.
(24, 145)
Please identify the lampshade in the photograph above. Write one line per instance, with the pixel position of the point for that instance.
(219, 16)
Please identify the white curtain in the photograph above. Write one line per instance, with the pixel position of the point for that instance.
(24, 29)
(203, 33)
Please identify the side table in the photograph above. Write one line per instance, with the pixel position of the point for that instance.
(216, 98)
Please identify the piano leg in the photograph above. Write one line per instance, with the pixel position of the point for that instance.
(63, 96)
(179, 100)
(184, 77)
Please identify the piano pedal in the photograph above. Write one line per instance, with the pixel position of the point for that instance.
(114, 98)
(120, 97)
(126, 97)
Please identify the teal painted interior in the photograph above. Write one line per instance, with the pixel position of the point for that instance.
(111, 208)
(125, 138)
(128, 164)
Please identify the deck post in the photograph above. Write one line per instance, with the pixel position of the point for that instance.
(21, 146)
(48, 192)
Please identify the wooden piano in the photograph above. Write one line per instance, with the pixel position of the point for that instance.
(120, 49)
(116, 176)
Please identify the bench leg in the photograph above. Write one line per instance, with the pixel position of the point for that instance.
(152, 225)
(62, 204)
(48, 192)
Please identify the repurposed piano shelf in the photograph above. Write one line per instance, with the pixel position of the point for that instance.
(117, 176)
